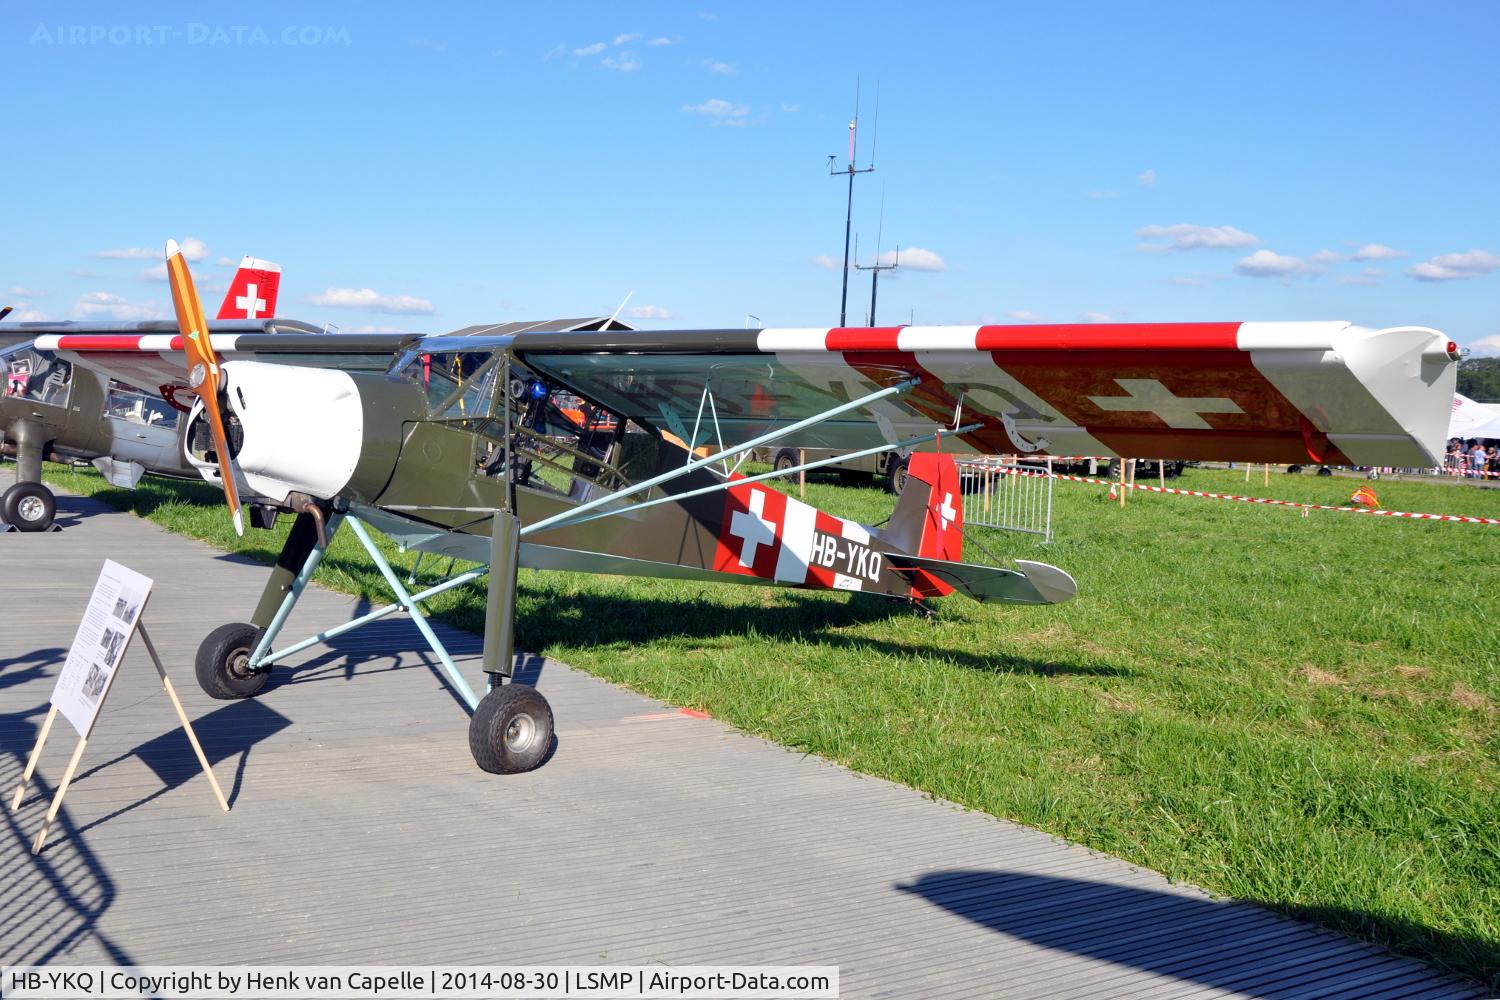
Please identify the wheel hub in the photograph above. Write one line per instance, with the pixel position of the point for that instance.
(521, 733)
(239, 663)
(31, 509)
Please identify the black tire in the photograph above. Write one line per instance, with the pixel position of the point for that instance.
(28, 507)
(895, 476)
(1174, 469)
(785, 459)
(1324, 470)
(511, 731)
(1293, 470)
(223, 659)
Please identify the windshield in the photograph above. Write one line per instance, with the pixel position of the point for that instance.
(457, 383)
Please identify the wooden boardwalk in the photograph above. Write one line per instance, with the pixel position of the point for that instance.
(363, 833)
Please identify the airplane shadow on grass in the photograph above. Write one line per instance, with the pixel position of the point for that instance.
(627, 620)
(1189, 938)
(606, 619)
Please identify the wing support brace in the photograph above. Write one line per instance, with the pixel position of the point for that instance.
(263, 656)
(576, 514)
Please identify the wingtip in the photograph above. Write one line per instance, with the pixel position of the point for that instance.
(173, 249)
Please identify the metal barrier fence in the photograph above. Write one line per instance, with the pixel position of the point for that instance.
(996, 498)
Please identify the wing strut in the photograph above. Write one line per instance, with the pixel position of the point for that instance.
(569, 516)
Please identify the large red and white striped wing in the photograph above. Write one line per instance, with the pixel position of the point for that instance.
(1267, 392)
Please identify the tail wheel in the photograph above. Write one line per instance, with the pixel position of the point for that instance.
(28, 507)
(223, 663)
(511, 731)
(785, 459)
(895, 479)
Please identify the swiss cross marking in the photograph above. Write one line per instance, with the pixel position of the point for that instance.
(1147, 395)
(752, 528)
(249, 302)
(946, 511)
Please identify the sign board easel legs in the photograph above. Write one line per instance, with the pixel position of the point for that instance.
(67, 778)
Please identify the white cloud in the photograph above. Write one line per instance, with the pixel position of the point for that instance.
(627, 63)
(1376, 251)
(722, 68)
(376, 329)
(1453, 266)
(622, 39)
(371, 301)
(660, 41)
(193, 250)
(1024, 316)
(590, 50)
(1325, 257)
(1486, 346)
(1146, 178)
(722, 112)
(1268, 264)
(790, 108)
(107, 305)
(128, 253)
(1369, 276)
(1102, 195)
(225, 262)
(649, 312)
(28, 315)
(1185, 236)
(826, 262)
(912, 259)
(22, 292)
(156, 272)
(1095, 317)
(1186, 280)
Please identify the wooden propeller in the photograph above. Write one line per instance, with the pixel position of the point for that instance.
(204, 375)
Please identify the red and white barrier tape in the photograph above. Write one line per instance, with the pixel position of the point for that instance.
(1463, 519)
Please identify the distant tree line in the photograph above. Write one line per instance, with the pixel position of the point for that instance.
(1479, 379)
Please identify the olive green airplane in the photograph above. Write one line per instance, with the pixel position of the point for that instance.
(619, 452)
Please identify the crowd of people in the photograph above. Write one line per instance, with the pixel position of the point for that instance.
(1472, 459)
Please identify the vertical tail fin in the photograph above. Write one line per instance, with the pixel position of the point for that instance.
(928, 520)
(252, 293)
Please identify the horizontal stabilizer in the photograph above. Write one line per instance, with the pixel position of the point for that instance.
(1033, 583)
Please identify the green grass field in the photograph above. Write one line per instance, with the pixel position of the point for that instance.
(1295, 711)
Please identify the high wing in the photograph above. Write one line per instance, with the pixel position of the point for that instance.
(150, 354)
(1266, 392)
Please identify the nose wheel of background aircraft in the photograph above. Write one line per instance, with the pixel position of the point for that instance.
(223, 663)
(28, 507)
(511, 730)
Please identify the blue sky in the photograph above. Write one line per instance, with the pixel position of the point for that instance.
(424, 167)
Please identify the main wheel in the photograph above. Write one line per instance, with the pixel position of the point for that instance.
(223, 663)
(511, 731)
(895, 477)
(785, 459)
(29, 507)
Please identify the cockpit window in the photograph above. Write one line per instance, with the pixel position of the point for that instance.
(456, 382)
(43, 378)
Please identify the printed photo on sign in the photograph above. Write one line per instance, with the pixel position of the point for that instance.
(93, 684)
(110, 643)
(125, 610)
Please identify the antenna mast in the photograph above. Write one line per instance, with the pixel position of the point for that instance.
(851, 170)
(877, 267)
